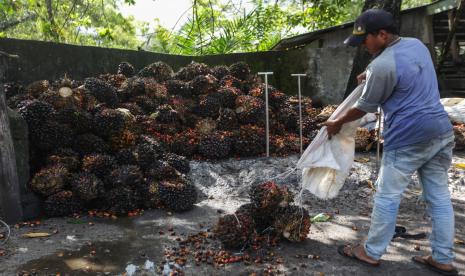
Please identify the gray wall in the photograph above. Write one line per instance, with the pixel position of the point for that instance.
(327, 69)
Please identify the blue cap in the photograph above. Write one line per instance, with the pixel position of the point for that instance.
(369, 21)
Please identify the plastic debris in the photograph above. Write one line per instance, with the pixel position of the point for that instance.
(149, 265)
(321, 217)
(131, 269)
(37, 235)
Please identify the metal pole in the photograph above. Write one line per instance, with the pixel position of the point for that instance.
(267, 126)
(300, 108)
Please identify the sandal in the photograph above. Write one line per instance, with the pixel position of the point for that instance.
(427, 263)
(352, 255)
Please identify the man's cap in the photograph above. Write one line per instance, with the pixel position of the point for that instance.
(369, 21)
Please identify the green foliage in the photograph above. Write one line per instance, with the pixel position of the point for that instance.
(213, 26)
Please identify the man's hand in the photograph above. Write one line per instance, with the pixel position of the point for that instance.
(332, 127)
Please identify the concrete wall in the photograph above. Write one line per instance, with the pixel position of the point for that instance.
(327, 69)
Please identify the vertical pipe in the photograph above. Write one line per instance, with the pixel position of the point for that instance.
(267, 127)
(300, 114)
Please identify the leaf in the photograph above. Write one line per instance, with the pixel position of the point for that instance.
(37, 235)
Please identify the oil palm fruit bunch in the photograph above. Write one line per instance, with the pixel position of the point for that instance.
(459, 132)
(159, 70)
(191, 71)
(102, 91)
(50, 180)
(179, 162)
(185, 143)
(220, 71)
(121, 200)
(309, 126)
(49, 135)
(65, 157)
(126, 156)
(325, 113)
(151, 195)
(227, 96)
(293, 223)
(146, 103)
(166, 114)
(179, 87)
(87, 186)
(227, 120)
(289, 117)
(204, 84)
(216, 145)
(79, 120)
(12, 89)
(276, 98)
(240, 70)
(209, 106)
(269, 196)
(250, 110)
(126, 175)
(178, 194)
(162, 170)
(250, 141)
(36, 112)
(36, 88)
(148, 150)
(109, 122)
(131, 87)
(126, 69)
(61, 204)
(89, 143)
(235, 230)
(263, 220)
(114, 80)
(363, 138)
(99, 164)
(16, 101)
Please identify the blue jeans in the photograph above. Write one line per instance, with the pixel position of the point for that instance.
(431, 159)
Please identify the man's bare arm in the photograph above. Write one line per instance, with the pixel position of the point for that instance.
(334, 126)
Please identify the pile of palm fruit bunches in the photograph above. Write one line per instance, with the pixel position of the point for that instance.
(123, 141)
(269, 214)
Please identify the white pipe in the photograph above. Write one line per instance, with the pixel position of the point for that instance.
(300, 108)
(267, 126)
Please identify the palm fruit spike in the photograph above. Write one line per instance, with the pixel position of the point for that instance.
(293, 223)
(215, 146)
(63, 203)
(126, 69)
(191, 71)
(235, 230)
(99, 164)
(49, 180)
(240, 70)
(178, 162)
(87, 186)
(102, 91)
(177, 195)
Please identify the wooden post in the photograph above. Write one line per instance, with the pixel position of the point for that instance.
(452, 26)
(10, 198)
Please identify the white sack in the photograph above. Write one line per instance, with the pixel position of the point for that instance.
(455, 108)
(326, 163)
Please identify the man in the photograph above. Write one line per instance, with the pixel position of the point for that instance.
(417, 135)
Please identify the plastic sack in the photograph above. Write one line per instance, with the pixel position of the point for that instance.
(455, 108)
(326, 163)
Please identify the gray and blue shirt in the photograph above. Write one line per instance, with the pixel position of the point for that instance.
(402, 80)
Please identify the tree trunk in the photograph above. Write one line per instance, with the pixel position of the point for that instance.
(362, 57)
